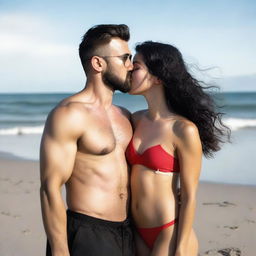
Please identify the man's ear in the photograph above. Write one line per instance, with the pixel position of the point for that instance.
(97, 63)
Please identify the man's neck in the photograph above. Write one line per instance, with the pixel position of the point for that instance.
(99, 93)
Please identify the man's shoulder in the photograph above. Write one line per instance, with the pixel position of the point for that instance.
(69, 109)
(76, 104)
(66, 117)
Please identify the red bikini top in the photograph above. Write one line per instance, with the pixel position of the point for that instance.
(155, 158)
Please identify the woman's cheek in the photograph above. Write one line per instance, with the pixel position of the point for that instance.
(134, 78)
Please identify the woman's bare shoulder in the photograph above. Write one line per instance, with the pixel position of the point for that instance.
(185, 129)
(136, 116)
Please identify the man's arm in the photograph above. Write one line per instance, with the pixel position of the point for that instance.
(57, 155)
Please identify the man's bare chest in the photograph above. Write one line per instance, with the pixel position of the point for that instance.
(102, 136)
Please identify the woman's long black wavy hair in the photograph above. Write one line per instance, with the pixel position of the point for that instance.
(184, 94)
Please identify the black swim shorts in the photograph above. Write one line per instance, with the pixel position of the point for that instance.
(89, 236)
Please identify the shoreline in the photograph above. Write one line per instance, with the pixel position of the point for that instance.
(12, 157)
(225, 214)
(231, 165)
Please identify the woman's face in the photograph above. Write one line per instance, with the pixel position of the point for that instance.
(142, 80)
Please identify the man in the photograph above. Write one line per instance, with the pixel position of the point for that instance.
(83, 146)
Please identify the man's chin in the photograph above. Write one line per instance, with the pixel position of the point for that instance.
(125, 89)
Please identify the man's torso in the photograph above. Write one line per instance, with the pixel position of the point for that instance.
(99, 182)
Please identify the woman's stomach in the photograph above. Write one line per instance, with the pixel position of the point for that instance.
(154, 197)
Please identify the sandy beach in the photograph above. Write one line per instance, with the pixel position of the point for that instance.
(225, 218)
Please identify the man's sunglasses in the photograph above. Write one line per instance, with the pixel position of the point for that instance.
(126, 58)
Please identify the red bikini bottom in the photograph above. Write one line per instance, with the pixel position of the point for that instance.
(149, 235)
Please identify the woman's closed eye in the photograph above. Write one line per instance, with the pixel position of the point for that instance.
(135, 67)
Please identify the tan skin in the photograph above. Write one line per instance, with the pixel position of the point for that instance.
(155, 196)
(83, 146)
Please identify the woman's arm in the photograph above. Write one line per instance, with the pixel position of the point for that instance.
(189, 151)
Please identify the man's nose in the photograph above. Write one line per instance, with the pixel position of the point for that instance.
(130, 67)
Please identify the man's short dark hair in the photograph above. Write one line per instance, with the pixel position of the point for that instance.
(100, 35)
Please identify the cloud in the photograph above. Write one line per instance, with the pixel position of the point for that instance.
(42, 49)
(239, 83)
(24, 34)
(33, 58)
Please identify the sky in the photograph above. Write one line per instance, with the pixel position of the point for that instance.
(39, 39)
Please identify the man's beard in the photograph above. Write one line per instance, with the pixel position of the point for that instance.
(115, 83)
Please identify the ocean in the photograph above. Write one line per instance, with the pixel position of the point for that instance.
(22, 118)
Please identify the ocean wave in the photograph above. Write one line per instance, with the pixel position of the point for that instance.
(232, 123)
(29, 103)
(239, 123)
(22, 130)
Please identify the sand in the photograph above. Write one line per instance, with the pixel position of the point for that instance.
(225, 217)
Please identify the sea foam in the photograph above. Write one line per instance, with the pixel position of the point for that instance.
(233, 123)
(22, 130)
(239, 123)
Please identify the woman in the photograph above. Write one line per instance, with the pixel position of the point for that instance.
(169, 138)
